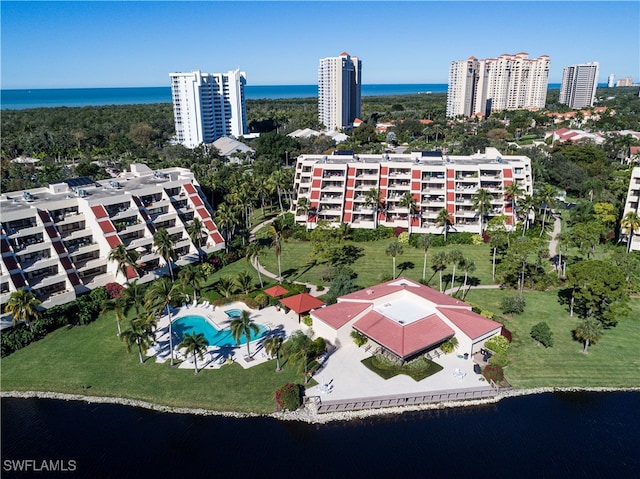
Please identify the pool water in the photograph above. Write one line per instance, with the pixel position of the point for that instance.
(233, 313)
(216, 337)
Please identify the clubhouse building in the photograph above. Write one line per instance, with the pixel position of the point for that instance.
(404, 318)
(56, 240)
(336, 188)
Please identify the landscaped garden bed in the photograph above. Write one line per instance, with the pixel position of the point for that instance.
(417, 369)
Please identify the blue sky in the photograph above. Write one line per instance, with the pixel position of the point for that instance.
(119, 44)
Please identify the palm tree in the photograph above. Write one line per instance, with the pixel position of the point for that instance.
(226, 286)
(244, 281)
(546, 195)
(133, 296)
(161, 295)
(195, 230)
(409, 202)
(444, 219)
(439, 265)
(280, 180)
(455, 258)
(303, 206)
(513, 192)
(192, 275)
(425, 242)
(277, 229)
(589, 331)
(141, 334)
(164, 247)
(394, 249)
(23, 306)
(226, 219)
(372, 200)
(528, 206)
(299, 345)
(118, 307)
(244, 325)
(482, 203)
(272, 346)
(468, 266)
(630, 223)
(124, 258)
(196, 344)
(252, 253)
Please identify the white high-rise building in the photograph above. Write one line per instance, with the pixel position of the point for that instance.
(611, 81)
(509, 82)
(579, 83)
(207, 106)
(339, 91)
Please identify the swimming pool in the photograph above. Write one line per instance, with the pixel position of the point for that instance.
(233, 313)
(216, 337)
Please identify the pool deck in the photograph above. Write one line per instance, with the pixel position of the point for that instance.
(342, 376)
(278, 322)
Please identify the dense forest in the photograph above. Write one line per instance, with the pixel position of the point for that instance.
(85, 141)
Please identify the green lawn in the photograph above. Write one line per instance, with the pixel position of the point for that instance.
(612, 362)
(92, 360)
(375, 266)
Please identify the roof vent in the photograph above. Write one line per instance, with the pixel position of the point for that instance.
(369, 291)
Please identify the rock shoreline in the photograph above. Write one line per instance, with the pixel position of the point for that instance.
(306, 414)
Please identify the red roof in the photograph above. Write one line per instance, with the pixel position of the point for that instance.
(472, 324)
(10, 263)
(113, 240)
(217, 238)
(404, 341)
(302, 303)
(106, 226)
(339, 314)
(18, 280)
(131, 273)
(276, 291)
(59, 247)
(190, 188)
(197, 201)
(209, 225)
(99, 211)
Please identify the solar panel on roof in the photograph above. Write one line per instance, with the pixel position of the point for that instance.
(80, 181)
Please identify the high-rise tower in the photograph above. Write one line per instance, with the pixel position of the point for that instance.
(508, 82)
(579, 83)
(207, 106)
(339, 91)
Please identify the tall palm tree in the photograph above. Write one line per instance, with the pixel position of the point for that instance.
(133, 296)
(303, 206)
(277, 229)
(226, 286)
(161, 295)
(192, 275)
(482, 203)
(195, 230)
(394, 249)
(513, 193)
(440, 262)
(196, 344)
(455, 258)
(141, 334)
(164, 247)
(124, 258)
(252, 253)
(118, 306)
(630, 223)
(546, 195)
(226, 219)
(272, 346)
(468, 266)
(373, 200)
(589, 331)
(23, 306)
(528, 205)
(424, 242)
(409, 202)
(298, 347)
(444, 219)
(244, 281)
(244, 325)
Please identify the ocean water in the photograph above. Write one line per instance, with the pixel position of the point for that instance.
(76, 97)
(559, 435)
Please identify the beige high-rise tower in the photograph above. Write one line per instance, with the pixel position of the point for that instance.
(339, 91)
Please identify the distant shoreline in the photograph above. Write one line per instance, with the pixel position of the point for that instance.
(305, 414)
(23, 99)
